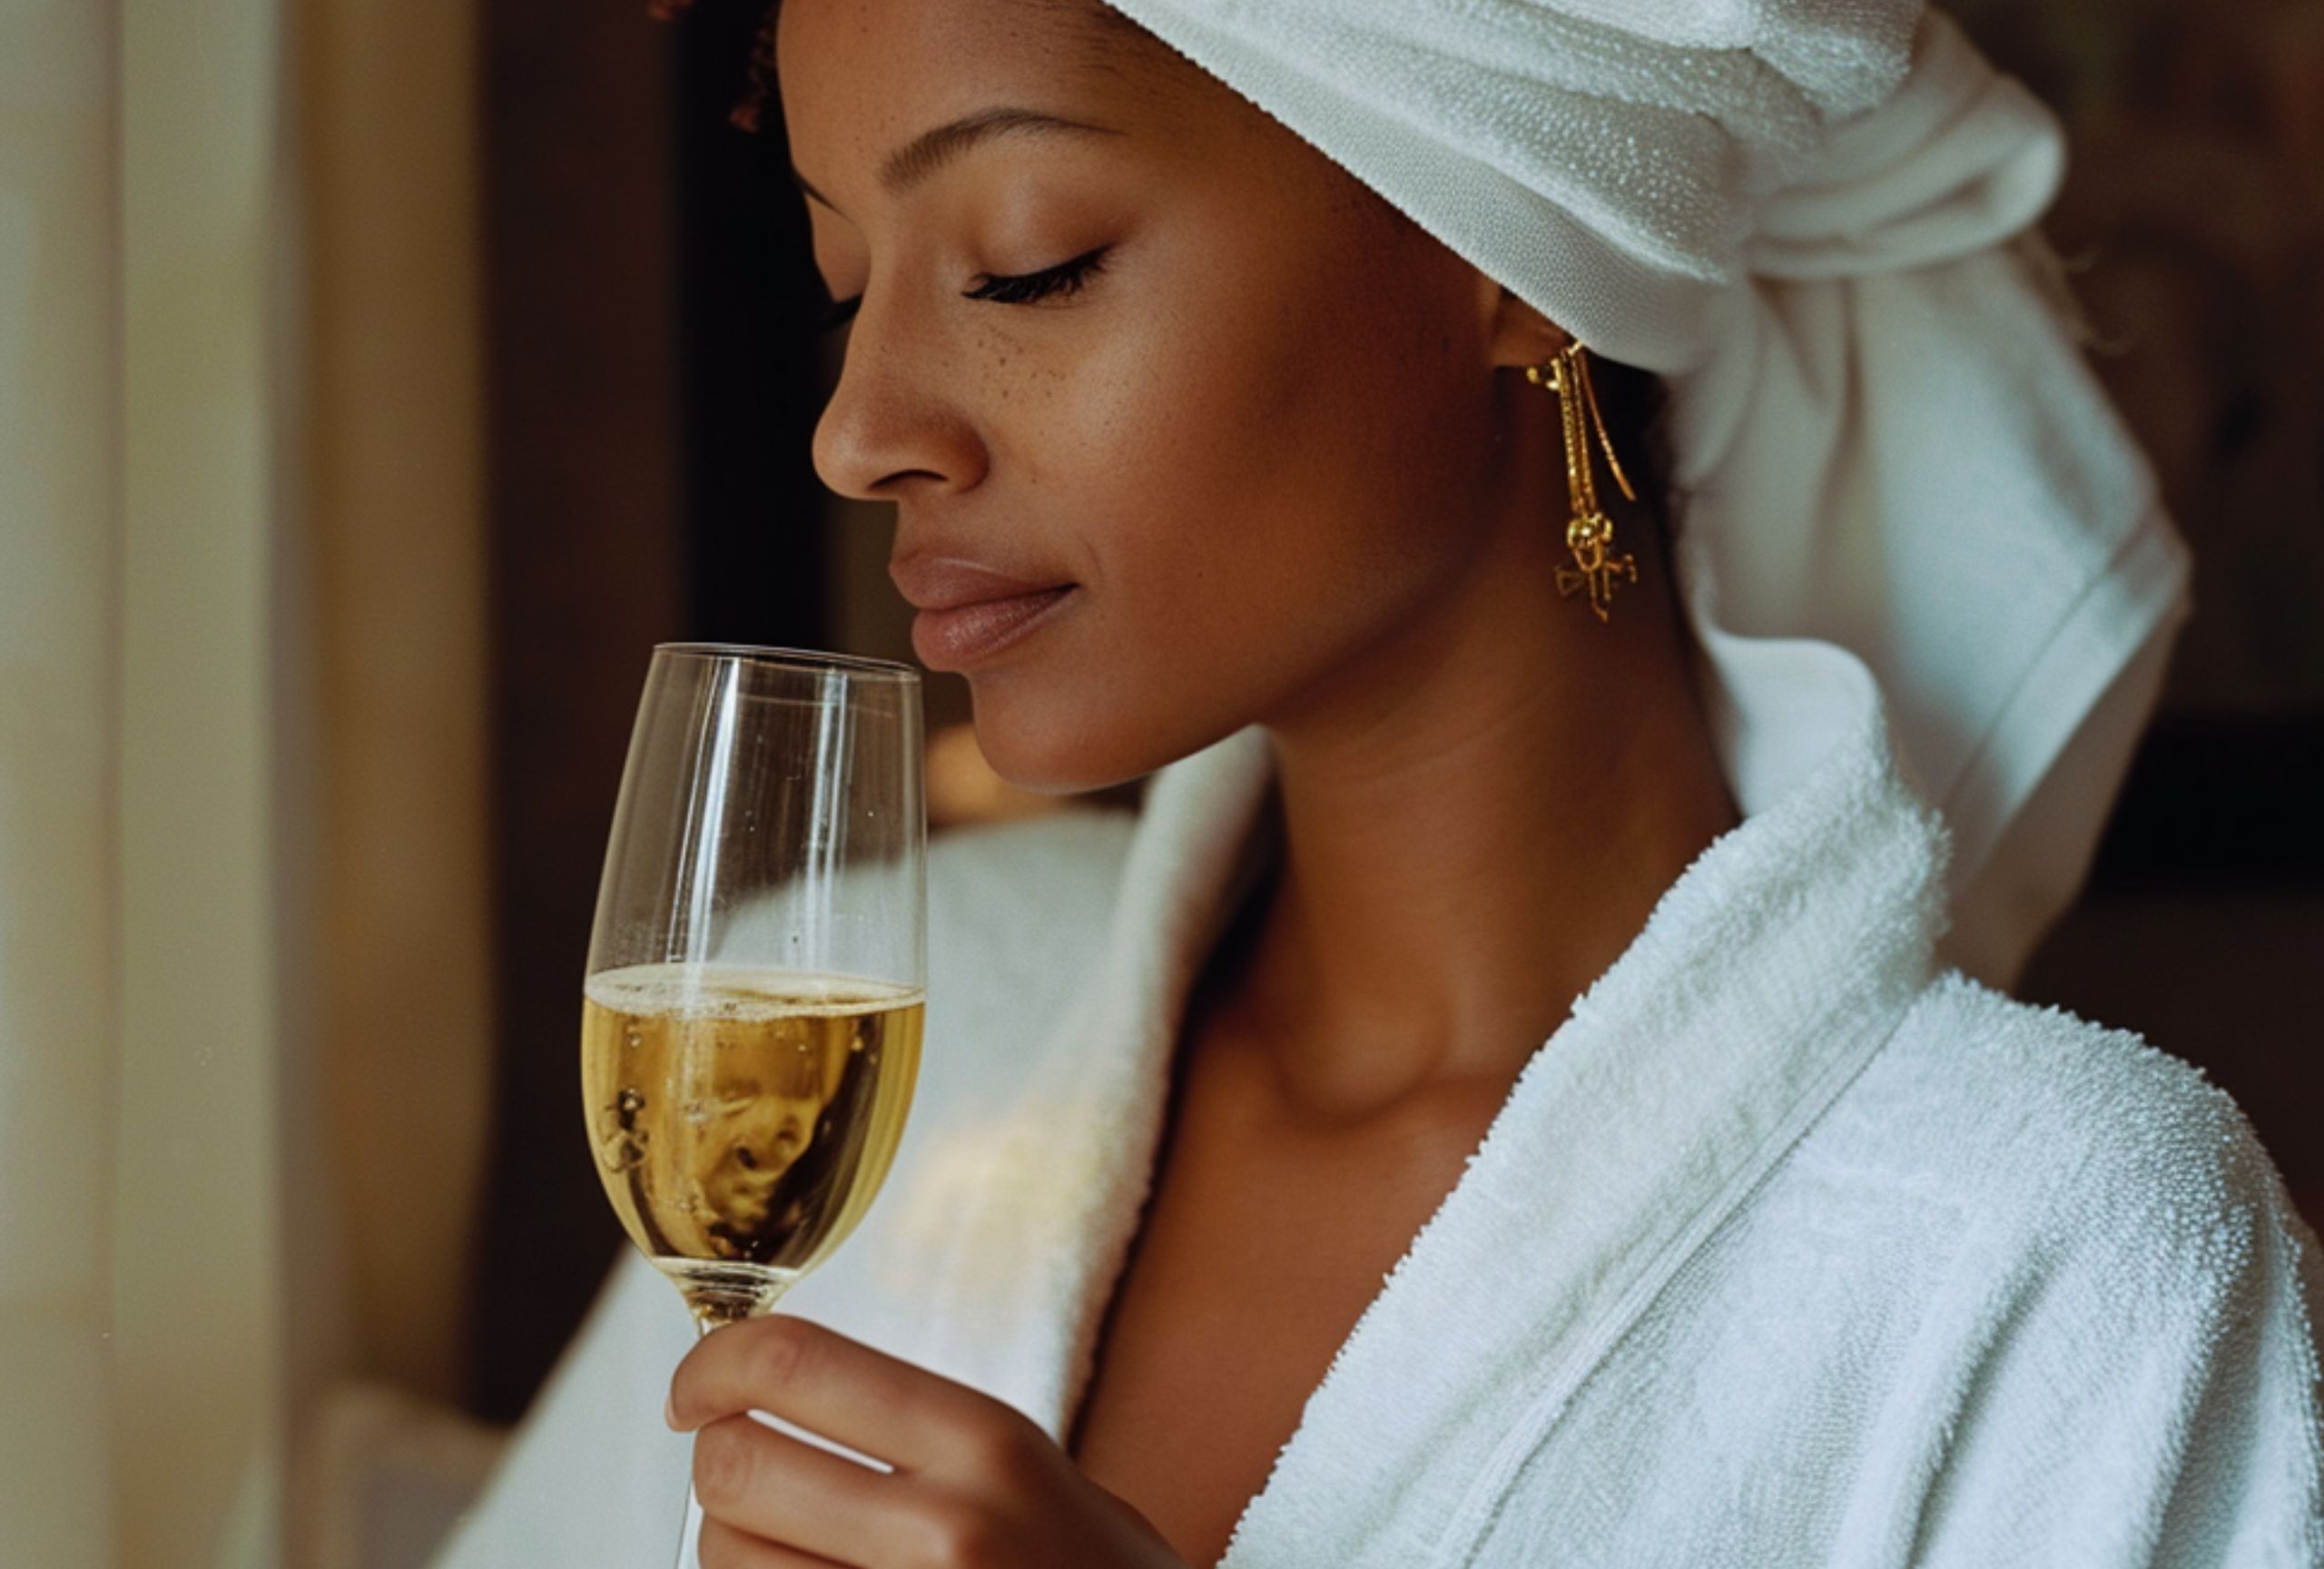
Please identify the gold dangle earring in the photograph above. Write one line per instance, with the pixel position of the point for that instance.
(1590, 535)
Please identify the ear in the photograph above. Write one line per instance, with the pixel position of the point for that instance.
(1517, 333)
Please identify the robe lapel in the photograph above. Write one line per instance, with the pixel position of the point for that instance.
(1764, 979)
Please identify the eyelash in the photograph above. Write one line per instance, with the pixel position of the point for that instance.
(1066, 277)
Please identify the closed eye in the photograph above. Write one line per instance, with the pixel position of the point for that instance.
(1066, 278)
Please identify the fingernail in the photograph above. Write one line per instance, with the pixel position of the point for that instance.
(670, 1410)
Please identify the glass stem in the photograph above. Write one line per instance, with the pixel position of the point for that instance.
(690, 1523)
(689, 1532)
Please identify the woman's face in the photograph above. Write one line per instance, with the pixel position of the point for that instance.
(1249, 442)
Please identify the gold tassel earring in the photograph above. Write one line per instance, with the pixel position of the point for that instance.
(1590, 535)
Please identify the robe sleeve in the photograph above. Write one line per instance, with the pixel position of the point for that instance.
(2147, 1396)
(592, 1479)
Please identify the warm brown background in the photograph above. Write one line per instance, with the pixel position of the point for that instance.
(653, 385)
(2194, 212)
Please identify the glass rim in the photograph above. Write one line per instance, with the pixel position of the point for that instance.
(816, 660)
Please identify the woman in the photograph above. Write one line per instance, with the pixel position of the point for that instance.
(1548, 924)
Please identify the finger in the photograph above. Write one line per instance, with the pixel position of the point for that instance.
(755, 1480)
(721, 1547)
(843, 1389)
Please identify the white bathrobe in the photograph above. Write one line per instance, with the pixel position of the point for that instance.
(1786, 1249)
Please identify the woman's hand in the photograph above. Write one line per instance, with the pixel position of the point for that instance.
(975, 1483)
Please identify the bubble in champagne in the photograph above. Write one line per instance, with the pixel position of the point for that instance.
(777, 1102)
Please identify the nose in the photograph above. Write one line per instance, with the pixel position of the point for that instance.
(895, 423)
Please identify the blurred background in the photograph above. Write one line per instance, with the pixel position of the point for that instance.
(378, 382)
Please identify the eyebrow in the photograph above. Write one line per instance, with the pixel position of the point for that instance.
(924, 155)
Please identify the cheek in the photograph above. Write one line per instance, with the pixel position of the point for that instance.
(1286, 469)
(1256, 489)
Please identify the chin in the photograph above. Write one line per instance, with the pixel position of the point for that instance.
(1068, 747)
(1049, 757)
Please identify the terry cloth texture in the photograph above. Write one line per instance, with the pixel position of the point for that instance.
(1788, 1246)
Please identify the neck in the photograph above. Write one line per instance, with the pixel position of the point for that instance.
(1476, 820)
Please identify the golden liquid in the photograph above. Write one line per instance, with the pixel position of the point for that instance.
(742, 1120)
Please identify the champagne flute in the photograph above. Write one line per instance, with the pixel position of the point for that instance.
(751, 1014)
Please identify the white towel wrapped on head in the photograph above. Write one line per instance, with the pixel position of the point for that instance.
(1812, 216)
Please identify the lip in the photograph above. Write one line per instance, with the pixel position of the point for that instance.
(934, 582)
(964, 635)
(969, 611)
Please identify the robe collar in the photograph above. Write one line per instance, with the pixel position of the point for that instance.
(1765, 978)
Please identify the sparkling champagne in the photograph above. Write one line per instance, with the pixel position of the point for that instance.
(743, 1119)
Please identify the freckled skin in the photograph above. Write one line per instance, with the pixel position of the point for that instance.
(1217, 436)
(1283, 442)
